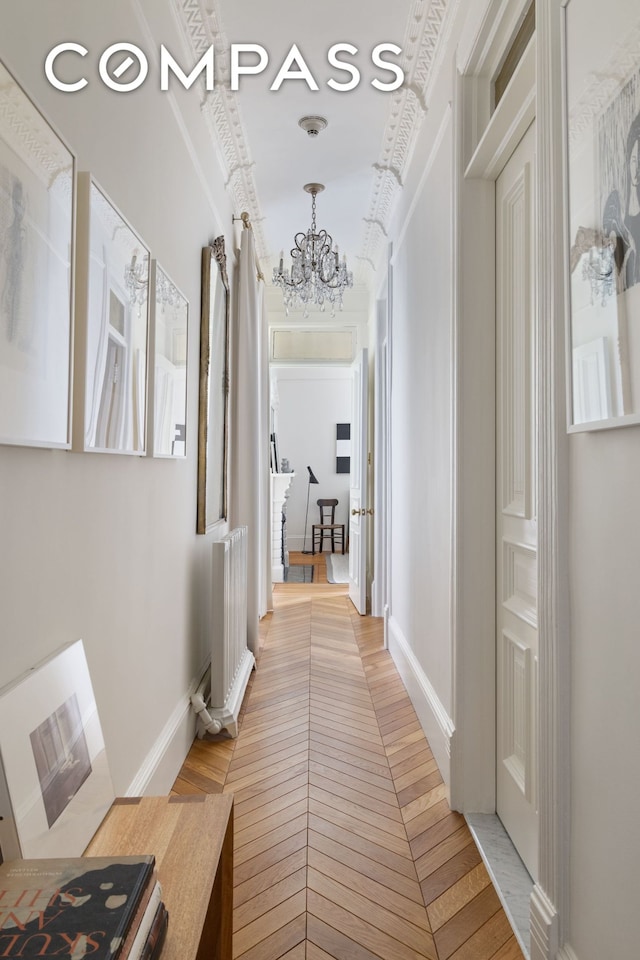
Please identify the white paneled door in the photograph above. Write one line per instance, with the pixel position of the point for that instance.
(516, 515)
(358, 484)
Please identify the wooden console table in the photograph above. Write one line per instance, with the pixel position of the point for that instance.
(192, 839)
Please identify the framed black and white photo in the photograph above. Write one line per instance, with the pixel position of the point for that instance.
(55, 785)
(37, 197)
(275, 454)
(602, 74)
(112, 309)
(343, 448)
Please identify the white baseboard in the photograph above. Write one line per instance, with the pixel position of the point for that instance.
(295, 542)
(162, 764)
(566, 953)
(434, 719)
(544, 927)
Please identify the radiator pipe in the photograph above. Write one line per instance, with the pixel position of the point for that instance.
(206, 723)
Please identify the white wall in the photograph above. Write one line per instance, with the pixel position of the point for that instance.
(604, 525)
(421, 319)
(99, 546)
(312, 400)
(601, 848)
(421, 423)
(605, 666)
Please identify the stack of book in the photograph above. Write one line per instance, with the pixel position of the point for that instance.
(108, 908)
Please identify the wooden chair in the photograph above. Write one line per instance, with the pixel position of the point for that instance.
(327, 527)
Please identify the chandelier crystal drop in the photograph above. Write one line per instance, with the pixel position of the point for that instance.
(317, 274)
(136, 281)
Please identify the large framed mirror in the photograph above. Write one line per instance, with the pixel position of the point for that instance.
(602, 77)
(213, 416)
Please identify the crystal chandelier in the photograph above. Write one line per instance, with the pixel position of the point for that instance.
(318, 275)
(167, 293)
(597, 252)
(136, 276)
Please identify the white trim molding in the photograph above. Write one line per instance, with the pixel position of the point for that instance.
(544, 930)
(543, 926)
(163, 761)
(434, 719)
(566, 953)
(510, 121)
(550, 898)
(473, 474)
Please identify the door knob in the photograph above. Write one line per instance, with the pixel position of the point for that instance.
(358, 513)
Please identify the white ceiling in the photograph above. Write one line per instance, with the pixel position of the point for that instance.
(342, 157)
(360, 157)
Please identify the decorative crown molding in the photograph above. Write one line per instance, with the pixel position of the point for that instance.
(202, 27)
(604, 84)
(422, 42)
(31, 137)
(199, 22)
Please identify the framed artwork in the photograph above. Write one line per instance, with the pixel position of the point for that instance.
(112, 311)
(343, 448)
(37, 197)
(55, 786)
(168, 372)
(602, 80)
(213, 413)
(275, 453)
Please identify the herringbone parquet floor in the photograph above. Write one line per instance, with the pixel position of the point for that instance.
(345, 847)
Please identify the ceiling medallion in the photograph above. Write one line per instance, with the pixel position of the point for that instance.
(317, 274)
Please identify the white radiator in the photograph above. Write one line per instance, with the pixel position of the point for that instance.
(218, 700)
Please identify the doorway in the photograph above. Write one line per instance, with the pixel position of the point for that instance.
(498, 424)
(516, 504)
(312, 406)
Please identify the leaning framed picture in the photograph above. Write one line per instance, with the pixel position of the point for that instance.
(55, 786)
(169, 318)
(602, 97)
(112, 327)
(37, 198)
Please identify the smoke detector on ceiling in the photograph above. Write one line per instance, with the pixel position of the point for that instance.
(313, 125)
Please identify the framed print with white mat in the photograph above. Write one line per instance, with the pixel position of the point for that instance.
(55, 785)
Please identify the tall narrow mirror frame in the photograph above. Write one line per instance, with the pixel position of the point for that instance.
(602, 104)
(213, 416)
